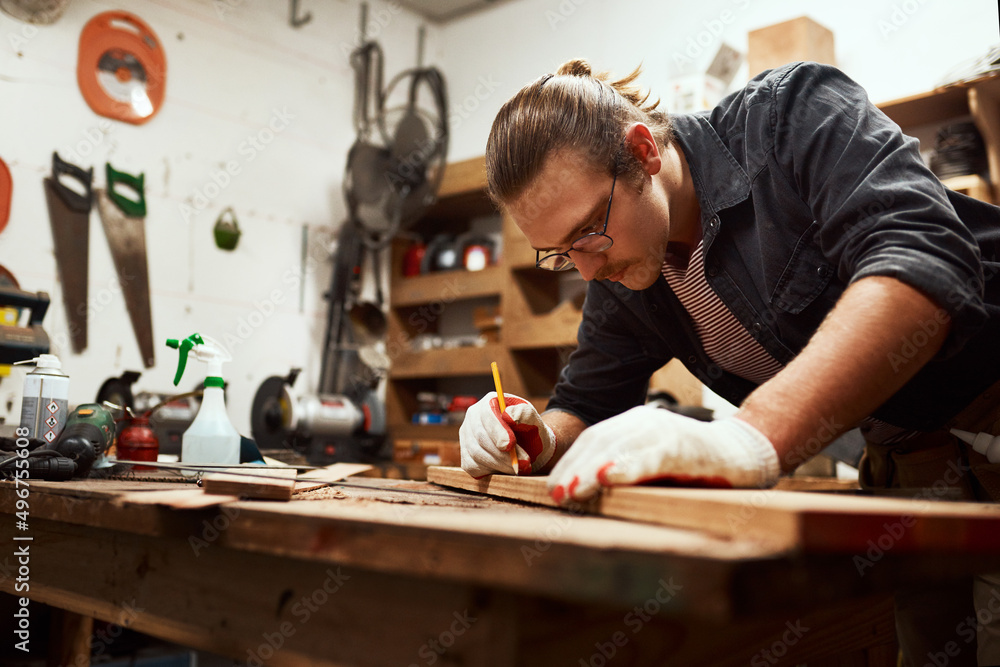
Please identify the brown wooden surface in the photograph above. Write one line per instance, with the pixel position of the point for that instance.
(462, 177)
(795, 521)
(984, 103)
(269, 488)
(545, 585)
(446, 286)
(69, 639)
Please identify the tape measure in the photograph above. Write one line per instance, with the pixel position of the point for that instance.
(121, 68)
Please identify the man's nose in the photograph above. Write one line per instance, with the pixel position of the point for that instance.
(588, 263)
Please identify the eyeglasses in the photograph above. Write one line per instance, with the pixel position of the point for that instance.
(592, 242)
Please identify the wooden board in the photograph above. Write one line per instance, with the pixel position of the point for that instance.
(279, 484)
(811, 522)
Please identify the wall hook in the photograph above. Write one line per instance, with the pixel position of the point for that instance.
(293, 15)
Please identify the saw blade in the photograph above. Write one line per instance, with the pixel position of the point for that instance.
(71, 242)
(127, 240)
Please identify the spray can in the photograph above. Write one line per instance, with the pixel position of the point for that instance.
(45, 402)
(211, 438)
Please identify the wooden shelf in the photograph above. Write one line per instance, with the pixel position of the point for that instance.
(446, 286)
(936, 106)
(457, 362)
(425, 431)
(555, 329)
(979, 98)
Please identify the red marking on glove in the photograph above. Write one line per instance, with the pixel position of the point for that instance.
(602, 474)
(558, 494)
(525, 435)
(572, 486)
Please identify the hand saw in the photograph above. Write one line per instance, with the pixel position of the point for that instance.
(124, 226)
(69, 215)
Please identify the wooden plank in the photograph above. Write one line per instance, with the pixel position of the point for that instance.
(446, 287)
(458, 362)
(269, 488)
(315, 479)
(936, 106)
(181, 499)
(645, 504)
(463, 177)
(809, 522)
(69, 639)
(984, 102)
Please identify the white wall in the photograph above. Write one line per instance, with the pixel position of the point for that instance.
(892, 47)
(232, 67)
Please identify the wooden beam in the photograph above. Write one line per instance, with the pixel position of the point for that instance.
(69, 639)
(784, 519)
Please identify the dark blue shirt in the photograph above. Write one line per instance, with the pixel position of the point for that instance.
(804, 187)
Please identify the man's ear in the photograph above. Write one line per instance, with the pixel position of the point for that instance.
(641, 143)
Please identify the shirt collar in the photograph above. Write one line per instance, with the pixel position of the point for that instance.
(719, 180)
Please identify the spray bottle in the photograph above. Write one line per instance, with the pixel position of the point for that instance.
(44, 404)
(211, 438)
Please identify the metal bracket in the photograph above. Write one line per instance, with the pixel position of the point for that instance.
(294, 19)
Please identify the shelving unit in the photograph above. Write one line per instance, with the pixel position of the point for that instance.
(978, 99)
(537, 334)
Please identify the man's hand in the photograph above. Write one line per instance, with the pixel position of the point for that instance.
(487, 435)
(645, 444)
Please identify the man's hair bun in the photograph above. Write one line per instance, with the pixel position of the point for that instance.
(576, 67)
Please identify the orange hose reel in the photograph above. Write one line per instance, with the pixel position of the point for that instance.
(121, 68)
(6, 188)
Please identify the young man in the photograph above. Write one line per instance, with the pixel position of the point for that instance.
(790, 247)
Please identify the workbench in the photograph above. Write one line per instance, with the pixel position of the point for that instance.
(391, 572)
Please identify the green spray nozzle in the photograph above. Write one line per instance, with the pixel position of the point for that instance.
(183, 346)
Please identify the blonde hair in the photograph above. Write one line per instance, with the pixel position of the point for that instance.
(571, 109)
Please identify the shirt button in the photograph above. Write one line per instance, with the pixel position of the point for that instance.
(692, 359)
(822, 270)
(757, 327)
(713, 270)
(654, 308)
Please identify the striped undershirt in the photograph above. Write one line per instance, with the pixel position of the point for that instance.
(728, 343)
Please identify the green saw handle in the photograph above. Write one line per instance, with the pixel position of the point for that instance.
(132, 208)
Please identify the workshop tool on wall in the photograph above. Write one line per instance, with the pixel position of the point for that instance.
(391, 179)
(124, 227)
(121, 68)
(69, 217)
(20, 340)
(6, 193)
(39, 12)
(226, 230)
(327, 428)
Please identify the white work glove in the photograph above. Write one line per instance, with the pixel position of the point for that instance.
(647, 443)
(486, 437)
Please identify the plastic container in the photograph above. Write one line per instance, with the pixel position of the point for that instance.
(45, 401)
(211, 438)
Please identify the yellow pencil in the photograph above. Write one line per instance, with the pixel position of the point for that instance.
(503, 407)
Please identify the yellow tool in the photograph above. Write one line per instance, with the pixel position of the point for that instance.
(503, 408)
